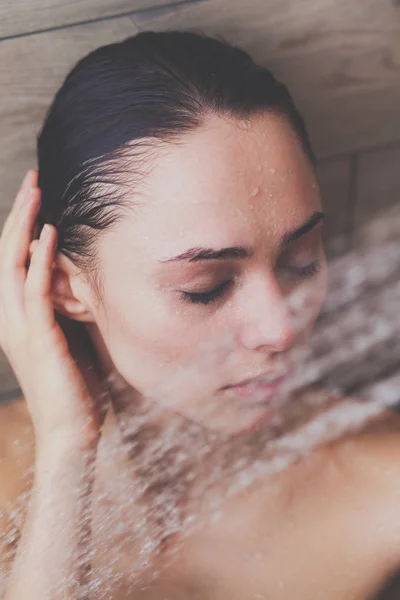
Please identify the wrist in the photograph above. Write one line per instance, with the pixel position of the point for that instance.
(65, 442)
(63, 467)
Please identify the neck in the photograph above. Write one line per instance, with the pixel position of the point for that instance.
(104, 358)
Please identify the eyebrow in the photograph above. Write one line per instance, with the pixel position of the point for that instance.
(239, 252)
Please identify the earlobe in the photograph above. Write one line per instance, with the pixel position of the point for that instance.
(73, 309)
(69, 293)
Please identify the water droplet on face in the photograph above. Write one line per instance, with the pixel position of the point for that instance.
(244, 124)
(259, 167)
(272, 171)
(254, 192)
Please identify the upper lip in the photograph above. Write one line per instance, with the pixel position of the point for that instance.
(263, 378)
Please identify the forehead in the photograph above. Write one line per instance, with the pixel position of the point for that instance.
(221, 180)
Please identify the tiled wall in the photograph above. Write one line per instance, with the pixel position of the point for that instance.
(340, 59)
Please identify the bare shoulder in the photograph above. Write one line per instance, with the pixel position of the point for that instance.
(379, 439)
(388, 421)
(371, 459)
(373, 452)
(364, 490)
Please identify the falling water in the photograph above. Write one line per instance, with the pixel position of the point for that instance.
(347, 375)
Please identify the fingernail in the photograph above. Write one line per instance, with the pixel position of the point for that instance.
(31, 196)
(45, 233)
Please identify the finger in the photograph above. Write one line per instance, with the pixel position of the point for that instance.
(38, 304)
(30, 180)
(24, 226)
(32, 247)
(21, 228)
(14, 256)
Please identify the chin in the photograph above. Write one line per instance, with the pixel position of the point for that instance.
(254, 418)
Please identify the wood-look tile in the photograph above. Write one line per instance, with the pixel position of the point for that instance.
(31, 70)
(3, 216)
(378, 183)
(26, 16)
(334, 181)
(340, 59)
(143, 17)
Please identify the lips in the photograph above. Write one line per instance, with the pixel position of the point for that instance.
(266, 385)
(265, 378)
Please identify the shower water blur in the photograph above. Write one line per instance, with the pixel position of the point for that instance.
(355, 346)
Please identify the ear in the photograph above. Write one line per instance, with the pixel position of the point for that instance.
(70, 291)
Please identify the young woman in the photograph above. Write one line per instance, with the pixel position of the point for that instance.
(183, 217)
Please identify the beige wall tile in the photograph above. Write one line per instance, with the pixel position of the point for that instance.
(31, 70)
(26, 16)
(378, 183)
(334, 181)
(3, 216)
(340, 59)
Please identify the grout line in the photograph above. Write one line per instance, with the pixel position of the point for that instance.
(129, 13)
(391, 145)
(161, 9)
(61, 27)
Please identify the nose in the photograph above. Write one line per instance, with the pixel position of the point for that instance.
(266, 318)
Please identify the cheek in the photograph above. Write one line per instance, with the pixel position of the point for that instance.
(319, 292)
(321, 287)
(305, 303)
(147, 342)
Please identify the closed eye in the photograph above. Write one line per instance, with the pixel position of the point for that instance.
(306, 271)
(207, 297)
(217, 293)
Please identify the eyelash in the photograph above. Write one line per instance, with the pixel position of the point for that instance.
(207, 297)
(215, 294)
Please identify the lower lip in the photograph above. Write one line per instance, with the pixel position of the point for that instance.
(260, 389)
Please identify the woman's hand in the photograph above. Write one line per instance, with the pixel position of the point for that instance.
(51, 355)
(56, 366)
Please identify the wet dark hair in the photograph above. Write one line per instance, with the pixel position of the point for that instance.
(118, 104)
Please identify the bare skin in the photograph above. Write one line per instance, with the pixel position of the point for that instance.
(330, 530)
(243, 191)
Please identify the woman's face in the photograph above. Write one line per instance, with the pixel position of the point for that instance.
(201, 283)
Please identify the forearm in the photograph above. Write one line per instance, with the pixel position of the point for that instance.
(53, 554)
